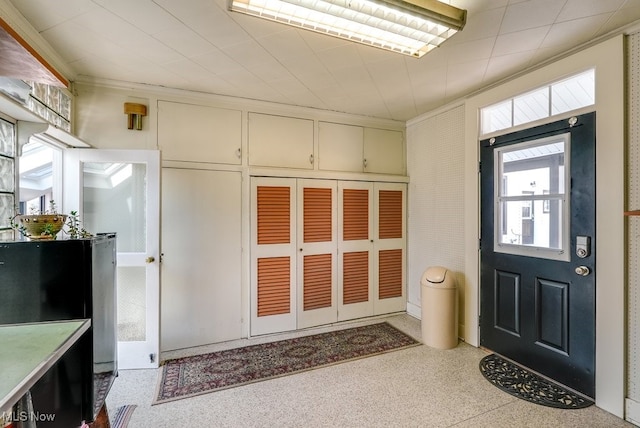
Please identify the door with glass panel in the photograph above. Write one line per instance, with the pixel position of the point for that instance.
(537, 298)
(119, 191)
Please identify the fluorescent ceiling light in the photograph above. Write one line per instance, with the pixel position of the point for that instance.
(411, 28)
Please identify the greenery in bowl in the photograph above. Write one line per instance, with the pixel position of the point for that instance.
(46, 225)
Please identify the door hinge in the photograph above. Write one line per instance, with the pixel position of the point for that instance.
(479, 244)
(479, 167)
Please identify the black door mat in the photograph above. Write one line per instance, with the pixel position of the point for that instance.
(529, 386)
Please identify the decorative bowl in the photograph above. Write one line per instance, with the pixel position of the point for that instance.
(41, 226)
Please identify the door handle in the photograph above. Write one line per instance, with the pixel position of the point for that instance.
(583, 270)
(150, 259)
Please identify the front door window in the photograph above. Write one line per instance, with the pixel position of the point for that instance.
(531, 202)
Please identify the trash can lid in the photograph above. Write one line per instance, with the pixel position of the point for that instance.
(435, 274)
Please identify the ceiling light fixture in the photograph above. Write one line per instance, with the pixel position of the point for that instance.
(412, 27)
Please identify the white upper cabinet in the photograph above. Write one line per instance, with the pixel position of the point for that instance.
(357, 149)
(188, 132)
(340, 147)
(383, 151)
(277, 141)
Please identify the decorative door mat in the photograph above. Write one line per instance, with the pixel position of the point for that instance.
(201, 374)
(523, 384)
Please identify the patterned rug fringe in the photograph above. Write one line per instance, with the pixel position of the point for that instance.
(528, 386)
(121, 418)
(201, 374)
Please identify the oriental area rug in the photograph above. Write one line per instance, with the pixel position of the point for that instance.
(201, 374)
(523, 384)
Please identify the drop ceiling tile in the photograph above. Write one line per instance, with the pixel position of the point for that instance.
(471, 51)
(71, 47)
(146, 15)
(340, 57)
(574, 32)
(320, 42)
(462, 78)
(575, 9)
(480, 25)
(285, 46)
(521, 41)
(185, 41)
(626, 15)
(272, 72)
(530, 14)
(153, 50)
(248, 54)
(217, 62)
(45, 14)
(105, 25)
(428, 77)
(501, 67)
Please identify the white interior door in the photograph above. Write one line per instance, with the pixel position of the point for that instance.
(201, 287)
(119, 191)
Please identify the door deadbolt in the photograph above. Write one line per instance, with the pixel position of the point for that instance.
(583, 270)
(583, 246)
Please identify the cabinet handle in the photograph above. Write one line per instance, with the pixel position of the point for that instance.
(239, 153)
(311, 159)
(364, 163)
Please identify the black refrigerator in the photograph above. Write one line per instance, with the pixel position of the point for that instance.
(64, 280)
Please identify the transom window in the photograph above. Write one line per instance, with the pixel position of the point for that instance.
(563, 96)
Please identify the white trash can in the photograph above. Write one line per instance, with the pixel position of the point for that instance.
(439, 308)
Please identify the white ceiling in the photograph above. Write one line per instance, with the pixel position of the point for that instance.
(199, 45)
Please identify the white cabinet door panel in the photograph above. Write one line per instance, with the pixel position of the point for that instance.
(340, 147)
(277, 141)
(384, 151)
(202, 252)
(196, 133)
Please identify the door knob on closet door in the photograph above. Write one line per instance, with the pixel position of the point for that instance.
(150, 259)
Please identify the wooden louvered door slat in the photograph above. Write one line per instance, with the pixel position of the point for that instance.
(317, 252)
(273, 255)
(390, 248)
(355, 250)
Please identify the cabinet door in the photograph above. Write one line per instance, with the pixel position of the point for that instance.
(273, 255)
(384, 151)
(188, 132)
(355, 249)
(340, 147)
(201, 267)
(317, 251)
(277, 141)
(389, 247)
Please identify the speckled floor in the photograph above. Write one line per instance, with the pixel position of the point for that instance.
(416, 387)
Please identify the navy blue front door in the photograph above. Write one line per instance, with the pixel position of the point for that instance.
(537, 299)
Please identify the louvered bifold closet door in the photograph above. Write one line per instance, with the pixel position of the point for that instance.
(355, 249)
(389, 247)
(317, 252)
(273, 255)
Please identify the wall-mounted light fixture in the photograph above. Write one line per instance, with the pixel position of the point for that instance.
(410, 27)
(134, 114)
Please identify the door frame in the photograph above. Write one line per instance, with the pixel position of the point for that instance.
(133, 354)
